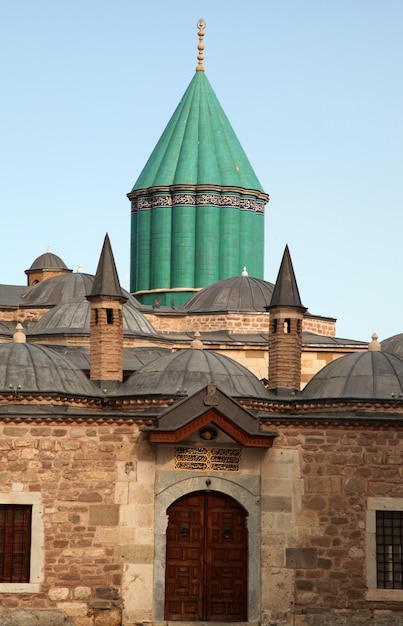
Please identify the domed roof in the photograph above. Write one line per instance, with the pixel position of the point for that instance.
(393, 345)
(34, 368)
(74, 317)
(64, 288)
(58, 289)
(48, 261)
(187, 371)
(363, 375)
(240, 293)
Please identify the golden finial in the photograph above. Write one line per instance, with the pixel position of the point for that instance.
(201, 25)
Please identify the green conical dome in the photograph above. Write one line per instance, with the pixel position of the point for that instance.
(198, 146)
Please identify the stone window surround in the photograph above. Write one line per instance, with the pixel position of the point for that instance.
(246, 492)
(37, 541)
(373, 505)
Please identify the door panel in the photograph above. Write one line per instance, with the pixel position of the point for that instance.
(206, 559)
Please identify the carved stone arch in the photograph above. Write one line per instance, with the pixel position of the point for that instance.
(243, 491)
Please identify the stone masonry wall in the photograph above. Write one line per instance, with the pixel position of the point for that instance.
(248, 322)
(315, 488)
(96, 486)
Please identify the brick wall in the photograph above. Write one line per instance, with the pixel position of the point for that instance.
(95, 509)
(315, 488)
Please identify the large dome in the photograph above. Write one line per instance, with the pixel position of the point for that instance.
(64, 288)
(74, 317)
(187, 371)
(240, 293)
(33, 368)
(363, 375)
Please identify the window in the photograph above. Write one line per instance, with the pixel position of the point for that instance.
(389, 542)
(21, 542)
(15, 542)
(384, 549)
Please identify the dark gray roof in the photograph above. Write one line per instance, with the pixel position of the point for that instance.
(133, 358)
(286, 289)
(106, 282)
(74, 318)
(186, 371)
(48, 261)
(393, 345)
(58, 289)
(240, 293)
(33, 368)
(362, 375)
(63, 288)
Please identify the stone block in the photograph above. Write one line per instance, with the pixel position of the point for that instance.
(104, 514)
(56, 594)
(301, 558)
(135, 554)
(109, 618)
(279, 504)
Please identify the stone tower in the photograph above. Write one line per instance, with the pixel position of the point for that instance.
(106, 322)
(285, 331)
(197, 207)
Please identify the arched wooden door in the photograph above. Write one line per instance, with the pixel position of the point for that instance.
(206, 559)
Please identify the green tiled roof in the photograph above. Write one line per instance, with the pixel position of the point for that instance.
(198, 146)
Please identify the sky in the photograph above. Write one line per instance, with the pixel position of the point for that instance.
(313, 90)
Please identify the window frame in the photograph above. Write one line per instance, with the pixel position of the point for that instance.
(36, 573)
(373, 592)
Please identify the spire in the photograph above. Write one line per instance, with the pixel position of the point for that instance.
(286, 289)
(106, 281)
(201, 25)
(285, 331)
(106, 321)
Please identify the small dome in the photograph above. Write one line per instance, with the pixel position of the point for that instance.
(33, 368)
(48, 261)
(187, 371)
(393, 345)
(363, 375)
(74, 317)
(240, 293)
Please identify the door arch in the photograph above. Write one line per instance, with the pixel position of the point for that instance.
(206, 559)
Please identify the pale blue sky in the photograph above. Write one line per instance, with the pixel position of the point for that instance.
(312, 88)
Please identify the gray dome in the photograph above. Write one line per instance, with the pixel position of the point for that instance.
(189, 370)
(64, 288)
(35, 368)
(393, 345)
(48, 261)
(363, 375)
(240, 293)
(74, 317)
(58, 289)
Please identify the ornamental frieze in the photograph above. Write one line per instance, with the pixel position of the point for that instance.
(144, 203)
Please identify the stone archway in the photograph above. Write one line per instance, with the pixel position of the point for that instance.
(245, 494)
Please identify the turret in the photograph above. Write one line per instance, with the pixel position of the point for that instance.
(106, 324)
(285, 331)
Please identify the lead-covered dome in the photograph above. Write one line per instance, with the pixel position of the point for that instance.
(393, 345)
(64, 288)
(240, 293)
(48, 261)
(30, 368)
(74, 317)
(187, 371)
(363, 375)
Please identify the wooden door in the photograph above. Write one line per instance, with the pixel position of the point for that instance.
(206, 559)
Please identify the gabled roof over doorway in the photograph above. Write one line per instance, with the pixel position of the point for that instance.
(209, 406)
